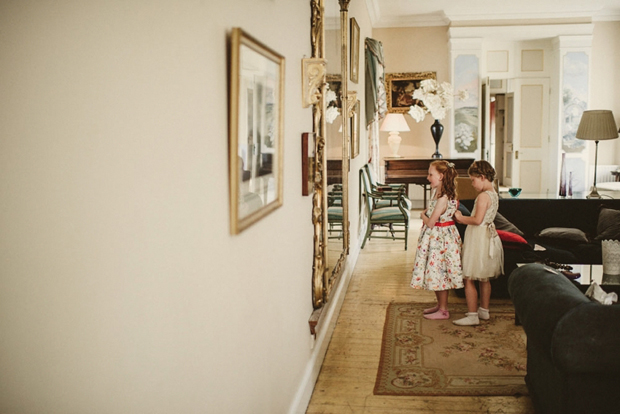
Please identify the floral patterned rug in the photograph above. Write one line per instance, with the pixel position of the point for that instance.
(430, 357)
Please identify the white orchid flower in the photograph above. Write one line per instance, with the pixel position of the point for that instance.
(417, 113)
(436, 99)
(331, 114)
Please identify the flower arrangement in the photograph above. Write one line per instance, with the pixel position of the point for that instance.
(437, 99)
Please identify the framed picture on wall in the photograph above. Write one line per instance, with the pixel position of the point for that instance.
(355, 130)
(400, 87)
(256, 119)
(355, 50)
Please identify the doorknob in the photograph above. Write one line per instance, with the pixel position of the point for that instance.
(516, 155)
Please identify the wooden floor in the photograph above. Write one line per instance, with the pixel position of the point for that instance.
(347, 378)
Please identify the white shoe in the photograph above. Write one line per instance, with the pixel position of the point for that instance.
(483, 314)
(470, 320)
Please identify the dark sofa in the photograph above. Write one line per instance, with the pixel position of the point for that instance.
(573, 345)
(531, 216)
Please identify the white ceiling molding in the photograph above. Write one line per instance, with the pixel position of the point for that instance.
(410, 13)
(520, 33)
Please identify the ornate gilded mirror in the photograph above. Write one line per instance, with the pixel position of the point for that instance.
(328, 70)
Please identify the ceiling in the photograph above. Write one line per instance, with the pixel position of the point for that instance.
(410, 13)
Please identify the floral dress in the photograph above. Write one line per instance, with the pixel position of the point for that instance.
(438, 256)
(483, 255)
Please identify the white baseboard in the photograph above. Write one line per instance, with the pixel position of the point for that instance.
(328, 323)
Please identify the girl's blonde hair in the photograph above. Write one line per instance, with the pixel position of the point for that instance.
(482, 168)
(448, 185)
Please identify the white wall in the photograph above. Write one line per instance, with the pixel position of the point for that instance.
(122, 290)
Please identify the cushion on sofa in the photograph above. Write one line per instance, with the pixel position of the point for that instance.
(502, 223)
(563, 236)
(608, 227)
(512, 240)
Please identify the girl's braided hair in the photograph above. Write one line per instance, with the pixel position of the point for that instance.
(482, 168)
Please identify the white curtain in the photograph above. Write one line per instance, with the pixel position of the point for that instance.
(373, 149)
(376, 100)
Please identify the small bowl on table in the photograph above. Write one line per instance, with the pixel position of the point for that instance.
(514, 192)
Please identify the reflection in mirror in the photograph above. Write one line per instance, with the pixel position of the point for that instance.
(331, 231)
(333, 135)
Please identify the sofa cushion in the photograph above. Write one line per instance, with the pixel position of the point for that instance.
(502, 223)
(512, 240)
(608, 227)
(563, 236)
(582, 340)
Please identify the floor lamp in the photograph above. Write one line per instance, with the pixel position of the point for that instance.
(597, 126)
(394, 123)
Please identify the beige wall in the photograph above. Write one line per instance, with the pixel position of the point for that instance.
(605, 83)
(427, 48)
(122, 288)
(417, 50)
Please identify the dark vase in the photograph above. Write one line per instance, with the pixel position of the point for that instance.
(437, 131)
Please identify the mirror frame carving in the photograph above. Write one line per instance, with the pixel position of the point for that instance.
(322, 279)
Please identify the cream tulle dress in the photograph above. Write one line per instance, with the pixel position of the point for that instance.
(483, 256)
(437, 263)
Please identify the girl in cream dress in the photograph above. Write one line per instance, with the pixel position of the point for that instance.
(483, 256)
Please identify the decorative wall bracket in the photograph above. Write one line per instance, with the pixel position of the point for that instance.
(351, 101)
(313, 71)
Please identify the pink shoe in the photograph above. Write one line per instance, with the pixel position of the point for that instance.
(431, 310)
(439, 315)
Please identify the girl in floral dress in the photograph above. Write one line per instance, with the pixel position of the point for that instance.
(437, 264)
(483, 256)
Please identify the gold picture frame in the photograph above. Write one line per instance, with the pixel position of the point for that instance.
(355, 130)
(256, 125)
(399, 89)
(355, 50)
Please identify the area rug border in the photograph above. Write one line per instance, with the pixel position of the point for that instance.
(385, 356)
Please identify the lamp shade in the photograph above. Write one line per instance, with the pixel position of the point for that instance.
(597, 125)
(394, 122)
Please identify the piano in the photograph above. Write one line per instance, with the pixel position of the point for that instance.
(415, 170)
(334, 171)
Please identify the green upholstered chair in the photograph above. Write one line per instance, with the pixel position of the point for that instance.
(334, 213)
(392, 219)
(377, 186)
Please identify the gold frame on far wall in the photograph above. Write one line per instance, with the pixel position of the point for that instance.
(256, 116)
(355, 130)
(399, 88)
(355, 50)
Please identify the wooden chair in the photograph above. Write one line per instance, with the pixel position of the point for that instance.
(376, 186)
(394, 216)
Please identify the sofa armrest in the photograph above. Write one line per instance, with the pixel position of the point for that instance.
(541, 300)
(586, 340)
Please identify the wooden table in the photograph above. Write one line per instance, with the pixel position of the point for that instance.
(415, 170)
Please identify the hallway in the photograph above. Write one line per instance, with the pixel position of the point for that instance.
(347, 378)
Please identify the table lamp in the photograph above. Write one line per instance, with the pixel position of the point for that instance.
(596, 126)
(394, 123)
